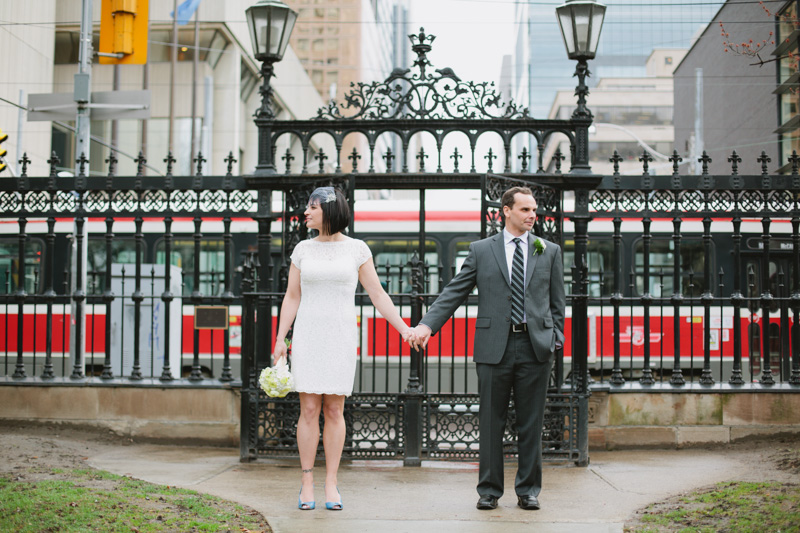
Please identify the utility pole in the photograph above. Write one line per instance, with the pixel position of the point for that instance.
(83, 84)
(82, 92)
(699, 145)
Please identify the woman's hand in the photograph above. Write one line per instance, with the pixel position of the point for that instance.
(281, 350)
(408, 335)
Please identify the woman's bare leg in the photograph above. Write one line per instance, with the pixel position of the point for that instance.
(308, 441)
(333, 440)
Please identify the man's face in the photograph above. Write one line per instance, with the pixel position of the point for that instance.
(522, 215)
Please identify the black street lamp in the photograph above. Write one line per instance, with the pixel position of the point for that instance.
(581, 22)
(270, 23)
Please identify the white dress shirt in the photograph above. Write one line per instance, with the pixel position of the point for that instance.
(511, 247)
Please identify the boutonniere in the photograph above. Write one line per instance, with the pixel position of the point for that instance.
(539, 246)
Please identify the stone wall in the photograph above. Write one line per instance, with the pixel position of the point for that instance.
(202, 416)
(681, 419)
(211, 416)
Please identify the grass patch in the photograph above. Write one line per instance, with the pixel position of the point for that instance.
(733, 506)
(94, 500)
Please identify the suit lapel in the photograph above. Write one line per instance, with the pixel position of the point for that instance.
(499, 251)
(533, 258)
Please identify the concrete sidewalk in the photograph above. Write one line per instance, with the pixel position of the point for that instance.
(440, 496)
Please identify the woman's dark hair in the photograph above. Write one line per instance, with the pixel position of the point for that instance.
(335, 213)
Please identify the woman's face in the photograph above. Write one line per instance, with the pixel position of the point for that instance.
(313, 214)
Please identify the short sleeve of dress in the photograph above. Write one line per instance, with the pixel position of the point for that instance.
(363, 253)
(297, 255)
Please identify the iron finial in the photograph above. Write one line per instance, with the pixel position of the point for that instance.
(230, 160)
(169, 160)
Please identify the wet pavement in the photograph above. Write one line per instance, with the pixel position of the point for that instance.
(440, 496)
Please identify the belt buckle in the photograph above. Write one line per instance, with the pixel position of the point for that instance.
(519, 328)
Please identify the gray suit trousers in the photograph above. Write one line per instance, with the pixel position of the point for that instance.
(518, 371)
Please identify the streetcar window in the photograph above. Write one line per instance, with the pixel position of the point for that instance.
(600, 254)
(780, 285)
(391, 257)
(212, 264)
(662, 262)
(122, 251)
(9, 266)
(460, 255)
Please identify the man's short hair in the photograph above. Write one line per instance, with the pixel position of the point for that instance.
(335, 214)
(508, 196)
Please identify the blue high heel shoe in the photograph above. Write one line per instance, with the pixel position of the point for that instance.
(335, 506)
(305, 506)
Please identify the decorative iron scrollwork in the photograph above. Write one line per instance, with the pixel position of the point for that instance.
(423, 95)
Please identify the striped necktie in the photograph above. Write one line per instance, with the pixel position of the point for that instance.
(517, 285)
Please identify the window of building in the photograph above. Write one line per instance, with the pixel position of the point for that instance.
(160, 42)
(129, 140)
(629, 151)
(318, 45)
(633, 115)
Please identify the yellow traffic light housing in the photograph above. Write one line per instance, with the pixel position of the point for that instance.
(3, 151)
(123, 30)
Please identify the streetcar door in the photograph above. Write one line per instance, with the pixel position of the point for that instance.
(781, 276)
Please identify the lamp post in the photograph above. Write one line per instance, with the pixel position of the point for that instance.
(270, 23)
(581, 22)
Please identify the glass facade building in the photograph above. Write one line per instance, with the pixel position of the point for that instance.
(631, 31)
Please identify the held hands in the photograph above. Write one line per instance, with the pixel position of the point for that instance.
(417, 337)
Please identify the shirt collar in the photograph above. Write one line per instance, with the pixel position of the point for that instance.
(507, 238)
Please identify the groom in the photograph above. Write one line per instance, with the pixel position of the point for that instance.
(520, 324)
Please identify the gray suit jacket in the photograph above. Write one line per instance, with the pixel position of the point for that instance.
(486, 267)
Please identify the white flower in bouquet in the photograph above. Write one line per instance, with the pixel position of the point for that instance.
(277, 381)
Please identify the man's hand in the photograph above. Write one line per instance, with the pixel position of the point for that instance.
(420, 336)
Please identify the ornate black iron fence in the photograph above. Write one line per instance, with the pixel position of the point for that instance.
(127, 317)
(406, 404)
(708, 291)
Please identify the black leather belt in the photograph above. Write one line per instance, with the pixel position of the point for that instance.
(519, 328)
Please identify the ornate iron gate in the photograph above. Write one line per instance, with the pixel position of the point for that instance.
(414, 421)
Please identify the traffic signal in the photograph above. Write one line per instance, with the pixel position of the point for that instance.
(123, 30)
(3, 151)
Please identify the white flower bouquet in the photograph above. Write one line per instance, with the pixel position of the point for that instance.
(276, 380)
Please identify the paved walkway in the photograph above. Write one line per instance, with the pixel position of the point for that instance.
(384, 496)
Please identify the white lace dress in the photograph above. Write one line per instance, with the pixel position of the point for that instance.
(325, 338)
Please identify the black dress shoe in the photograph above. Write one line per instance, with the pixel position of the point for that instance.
(529, 503)
(487, 502)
